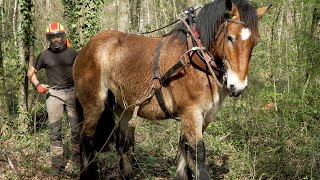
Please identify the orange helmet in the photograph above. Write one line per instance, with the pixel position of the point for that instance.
(55, 28)
(56, 36)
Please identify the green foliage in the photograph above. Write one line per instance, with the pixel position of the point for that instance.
(11, 75)
(72, 13)
(88, 12)
(270, 132)
(27, 30)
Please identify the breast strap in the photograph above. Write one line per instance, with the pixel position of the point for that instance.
(163, 79)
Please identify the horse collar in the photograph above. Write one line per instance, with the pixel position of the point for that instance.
(196, 41)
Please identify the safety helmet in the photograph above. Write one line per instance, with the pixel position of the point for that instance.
(56, 36)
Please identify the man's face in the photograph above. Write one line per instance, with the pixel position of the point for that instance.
(56, 40)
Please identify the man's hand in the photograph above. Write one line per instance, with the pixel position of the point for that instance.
(42, 88)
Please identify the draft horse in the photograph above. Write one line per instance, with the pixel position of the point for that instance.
(185, 74)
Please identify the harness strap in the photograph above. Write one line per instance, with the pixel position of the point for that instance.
(159, 96)
(206, 55)
(172, 70)
(156, 74)
(202, 52)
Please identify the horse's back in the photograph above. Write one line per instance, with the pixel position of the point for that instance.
(112, 46)
(114, 59)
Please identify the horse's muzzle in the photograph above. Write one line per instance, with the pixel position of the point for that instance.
(233, 92)
(233, 84)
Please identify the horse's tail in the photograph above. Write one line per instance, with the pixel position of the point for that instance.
(104, 134)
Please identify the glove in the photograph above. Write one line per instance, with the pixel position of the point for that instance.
(42, 88)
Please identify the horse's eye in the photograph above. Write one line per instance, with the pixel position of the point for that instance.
(231, 39)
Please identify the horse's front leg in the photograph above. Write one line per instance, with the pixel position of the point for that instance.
(191, 156)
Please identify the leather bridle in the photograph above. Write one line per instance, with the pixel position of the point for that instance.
(201, 51)
(204, 55)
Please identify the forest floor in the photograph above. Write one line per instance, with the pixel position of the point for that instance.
(155, 155)
(260, 144)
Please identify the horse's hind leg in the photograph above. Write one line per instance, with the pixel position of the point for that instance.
(93, 109)
(105, 128)
(191, 157)
(125, 144)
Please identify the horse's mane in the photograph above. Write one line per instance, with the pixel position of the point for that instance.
(210, 18)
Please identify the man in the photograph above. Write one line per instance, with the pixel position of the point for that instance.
(57, 61)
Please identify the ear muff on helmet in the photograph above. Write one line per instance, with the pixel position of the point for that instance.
(56, 36)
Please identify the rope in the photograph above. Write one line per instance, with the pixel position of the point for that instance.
(60, 82)
(148, 32)
(137, 104)
(132, 123)
(35, 134)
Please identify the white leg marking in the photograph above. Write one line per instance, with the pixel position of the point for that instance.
(245, 33)
(181, 166)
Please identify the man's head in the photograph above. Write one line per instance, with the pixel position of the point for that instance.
(56, 36)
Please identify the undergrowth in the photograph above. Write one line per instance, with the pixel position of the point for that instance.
(253, 137)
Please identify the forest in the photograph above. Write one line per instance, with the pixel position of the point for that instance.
(271, 131)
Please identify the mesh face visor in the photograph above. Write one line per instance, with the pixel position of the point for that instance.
(56, 40)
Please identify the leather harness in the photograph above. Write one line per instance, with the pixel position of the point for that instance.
(163, 79)
(194, 41)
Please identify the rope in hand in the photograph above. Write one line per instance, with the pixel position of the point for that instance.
(35, 123)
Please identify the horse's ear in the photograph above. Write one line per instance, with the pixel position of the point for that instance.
(261, 11)
(229, 5)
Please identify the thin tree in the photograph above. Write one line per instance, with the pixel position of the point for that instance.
(3, 104)
(25, 43)
(135, 8)
(123, 16)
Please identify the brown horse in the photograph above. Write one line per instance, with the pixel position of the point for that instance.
(119, 73)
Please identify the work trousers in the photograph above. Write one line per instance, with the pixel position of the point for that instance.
(58, 103)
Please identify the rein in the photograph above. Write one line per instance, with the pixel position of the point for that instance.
(148, 32)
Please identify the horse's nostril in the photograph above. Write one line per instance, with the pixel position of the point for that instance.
(232, 88)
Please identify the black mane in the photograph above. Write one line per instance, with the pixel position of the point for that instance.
(210, 18)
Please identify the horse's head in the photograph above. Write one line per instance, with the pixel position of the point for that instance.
(235, 44)
(235, 34)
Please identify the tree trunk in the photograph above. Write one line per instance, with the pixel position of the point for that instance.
(314, 57)
(3, 105)
(28, 97)
(123, 9)
(134, 12)
(22, 107)
(80, 25)
(315, 20)
(14, 22)
(48, 10)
